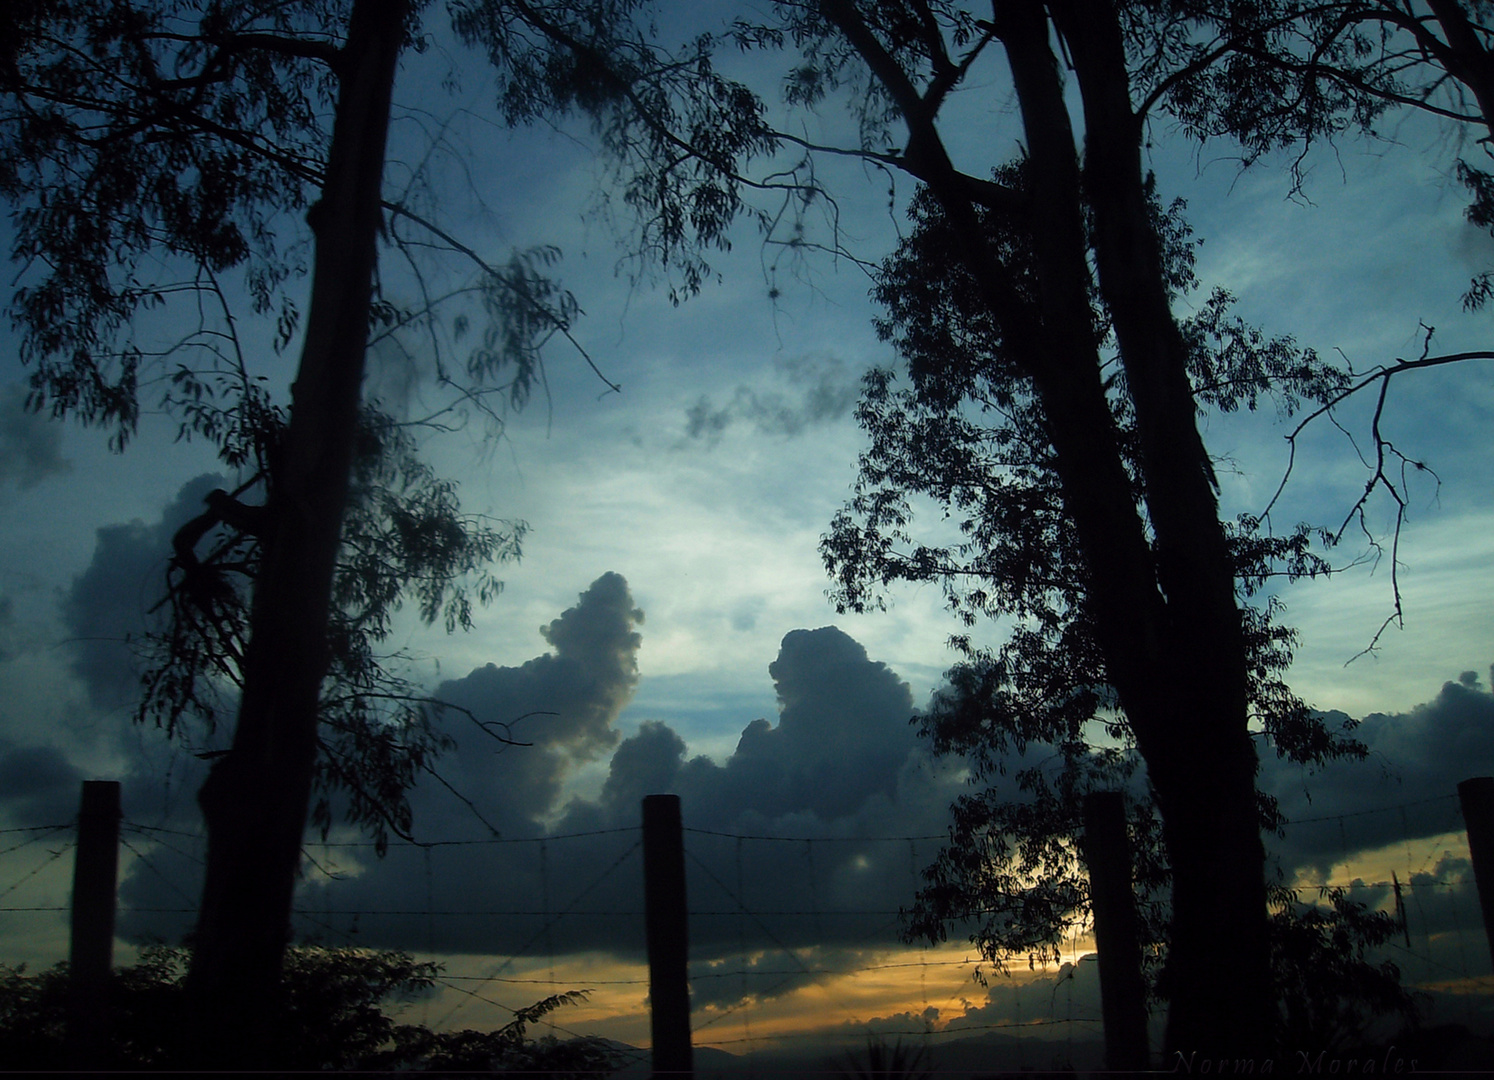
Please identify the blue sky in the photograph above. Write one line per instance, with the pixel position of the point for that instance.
(697, 497)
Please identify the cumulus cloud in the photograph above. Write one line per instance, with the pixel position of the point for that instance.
(564, 703)
(30, 443)
(840, 764)
(771, 911)
(1405, 791)
(841, 739)
(108, 602)
(818, 389)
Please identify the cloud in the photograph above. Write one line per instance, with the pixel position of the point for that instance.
(819, 390)
(1406, 790)
(38, 784)
(841, 763)
(564, 703)
(802, 844)
(842, 738)
(109, 601)
(30, 443)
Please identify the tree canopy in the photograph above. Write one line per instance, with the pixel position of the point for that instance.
(153, 149)
(1054, 415)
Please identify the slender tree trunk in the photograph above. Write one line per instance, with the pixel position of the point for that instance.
(256, 798)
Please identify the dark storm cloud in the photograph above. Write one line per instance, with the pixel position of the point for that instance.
(38, 785)
(30, 443)
(1404, 791)
(579, 687)
(564, 703)
(840, 764)
(842, 737)
(821, 389)
(109, 601)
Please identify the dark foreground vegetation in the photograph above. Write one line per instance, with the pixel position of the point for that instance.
(337, 1016)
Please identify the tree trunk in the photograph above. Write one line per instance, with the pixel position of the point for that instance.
(1200, 757)
(1164, 607)
(256, 798)
(1464, 56)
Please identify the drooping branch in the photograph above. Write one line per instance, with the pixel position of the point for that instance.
(1384, 455)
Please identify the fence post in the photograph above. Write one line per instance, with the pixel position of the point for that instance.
(1477, 796)
(668, 940)
(95, 870)
(1107, 850)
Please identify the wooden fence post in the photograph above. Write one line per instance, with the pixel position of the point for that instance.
(668, 940)
(95, 870)
(1107, 850)
(1477, 797)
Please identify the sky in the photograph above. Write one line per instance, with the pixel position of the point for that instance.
(670, 611)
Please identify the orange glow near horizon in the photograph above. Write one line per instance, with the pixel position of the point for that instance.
(910, 990)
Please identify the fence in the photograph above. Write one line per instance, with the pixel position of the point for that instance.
(794, 938)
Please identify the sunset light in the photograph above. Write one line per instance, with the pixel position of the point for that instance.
(1016, 475)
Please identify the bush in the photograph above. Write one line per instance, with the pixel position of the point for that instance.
(335, 1019)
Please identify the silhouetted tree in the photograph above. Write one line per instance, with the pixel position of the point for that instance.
(969, 433)
(191, 136)
(404, 537)
(1331, 992)
(1159, 572)
(1287, 74)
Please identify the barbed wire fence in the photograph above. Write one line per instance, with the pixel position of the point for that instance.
(775, 969)
(1425, 879)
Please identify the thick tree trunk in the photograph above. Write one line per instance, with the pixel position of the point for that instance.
(1164, 605)
(1200, 757)
(1465, 56)
(256, 798)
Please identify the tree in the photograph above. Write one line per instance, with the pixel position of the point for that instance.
(1034, 721)
(1287, 76)
(256, 798)
(403, 537)
(193, 136)
(969, 435)
(1155, 605)
(1330, 991)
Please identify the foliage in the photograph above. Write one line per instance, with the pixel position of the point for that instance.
(404, 537)
(968, 436)
(1034, 719)
(884, 1062)
(1330, 993)
(162, 159)
(336, 1016)
(673, 130)
(124, 138)
(1283, 75)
